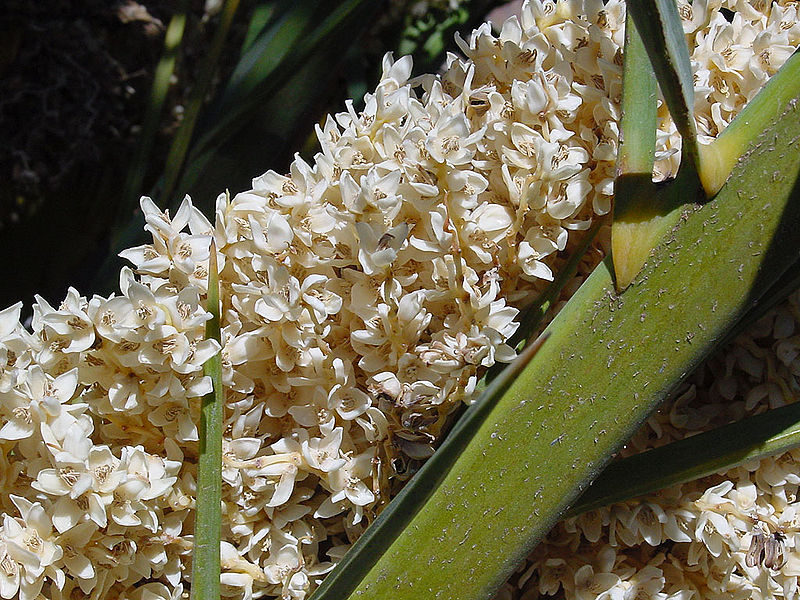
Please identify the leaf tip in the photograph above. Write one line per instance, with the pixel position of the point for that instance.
(632, 240)
(716, 163)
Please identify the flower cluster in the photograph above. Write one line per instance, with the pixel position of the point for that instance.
(97, 406)
(363, 296)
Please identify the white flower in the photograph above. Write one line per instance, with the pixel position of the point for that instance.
(156, 591)
(16, 347)
(451, 141)
(10, 572)
(323, 454)
(28, 542)
(287, 561)
(377, 252)
(40, 399)
(70, 325)
(73, 543)
(591, 585)
(176, 420)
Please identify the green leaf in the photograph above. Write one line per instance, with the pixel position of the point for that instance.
(638, 212)
(609, 361)
(208, 515)
(721, 449)
(261, 83)
(260, 18)
(158, 93)
(218, 152)
(658, 22)
(275, 128)
(638, 109)
(777, 293)
(262, 56)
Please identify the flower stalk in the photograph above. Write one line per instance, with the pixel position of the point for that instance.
(208, 520)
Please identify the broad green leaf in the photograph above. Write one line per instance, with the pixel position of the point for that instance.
(721, 449)
(658, 22)
(609, 361)
(208, 515)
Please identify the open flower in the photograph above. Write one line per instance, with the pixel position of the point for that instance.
(378, 251)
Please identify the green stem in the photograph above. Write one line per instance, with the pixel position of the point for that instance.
(208, 519)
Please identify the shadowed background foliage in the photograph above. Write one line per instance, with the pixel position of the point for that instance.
(93, 95)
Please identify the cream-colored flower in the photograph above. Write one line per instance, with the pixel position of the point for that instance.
(29, 543)
(40, 399)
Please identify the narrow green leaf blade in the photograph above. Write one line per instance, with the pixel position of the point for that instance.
(180, 144)
(638, 216)
(638, 111)
(261, 16)
(263, 55)
(343, 20)
(208, 514)
(158, 93)
(721, 449)
(660, 26)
